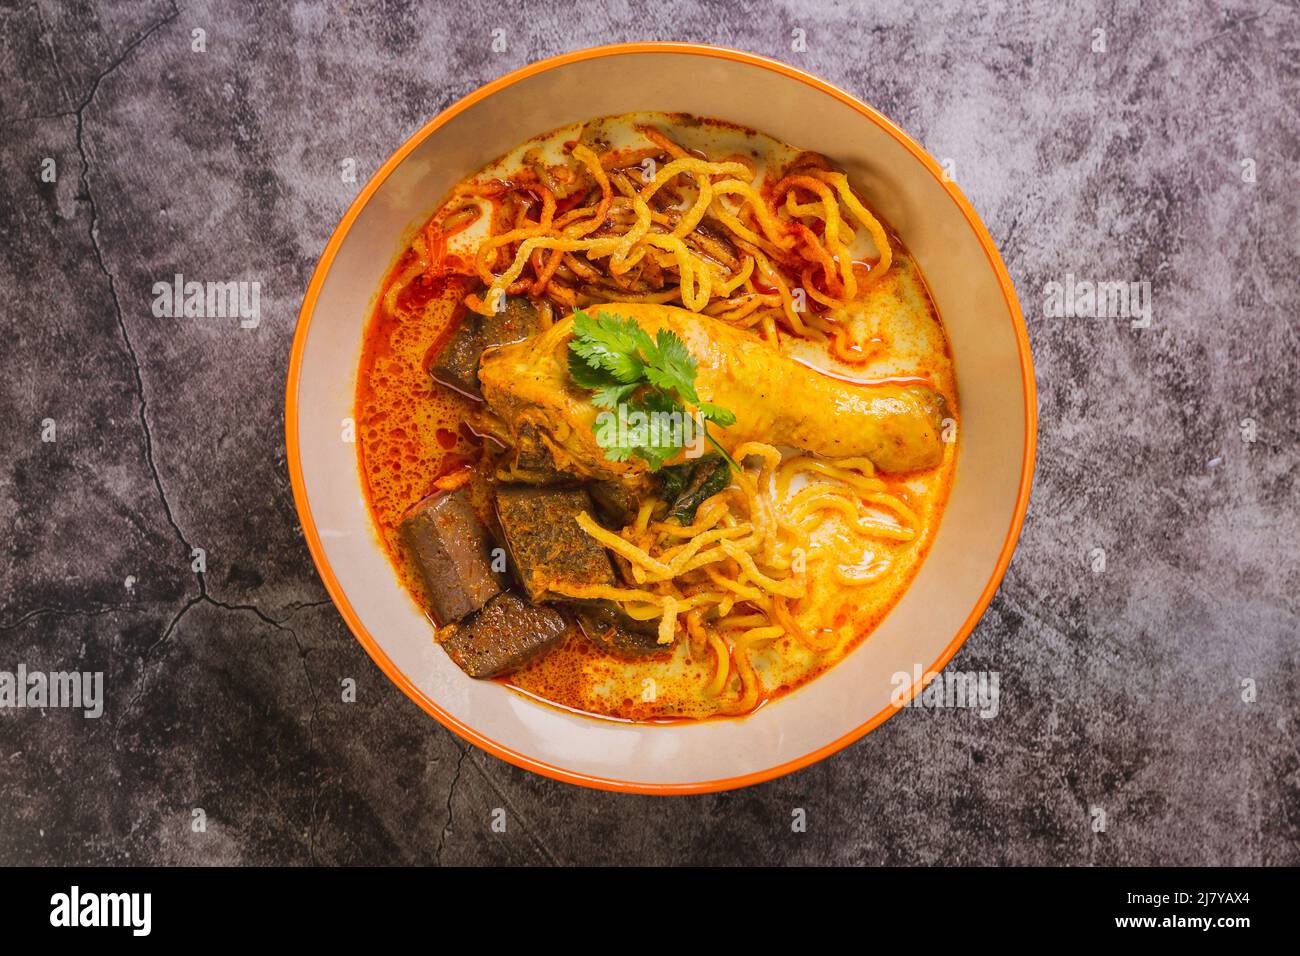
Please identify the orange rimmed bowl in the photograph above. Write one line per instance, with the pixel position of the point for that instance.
(995, 383)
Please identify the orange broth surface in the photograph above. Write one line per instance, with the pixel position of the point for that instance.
(412, 431)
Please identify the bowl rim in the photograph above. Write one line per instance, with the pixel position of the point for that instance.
(312, 536)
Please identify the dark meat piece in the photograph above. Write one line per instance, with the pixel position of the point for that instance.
(457, 364)
(533, 462)
(613, 631)
(545, 542)
(452, 549)
(617, 500)
(504, 636)
(532, 454)
(519, 320)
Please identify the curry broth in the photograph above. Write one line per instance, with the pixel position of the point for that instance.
(413, 432)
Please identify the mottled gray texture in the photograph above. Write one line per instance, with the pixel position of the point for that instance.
(1120, 689)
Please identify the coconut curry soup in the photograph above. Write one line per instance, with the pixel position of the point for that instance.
(656, 418)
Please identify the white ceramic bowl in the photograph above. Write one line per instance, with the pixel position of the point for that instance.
(975, 299)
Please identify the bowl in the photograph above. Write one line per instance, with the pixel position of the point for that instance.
(975, 299)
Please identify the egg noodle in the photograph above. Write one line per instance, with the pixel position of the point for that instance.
(734, 246)
(658, 224)
(735, 577)
(715, 606)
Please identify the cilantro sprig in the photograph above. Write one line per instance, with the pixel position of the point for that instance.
(621, 364)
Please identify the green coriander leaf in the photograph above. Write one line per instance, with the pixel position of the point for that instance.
(586, 375)
(611, 343)
(660, 400)
(660, 443)
(613, 394)
(621, 365)
(671, 365)
(619, 453)
(720, 416)
(657, 455)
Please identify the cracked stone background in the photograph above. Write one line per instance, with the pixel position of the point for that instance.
(1120, 690)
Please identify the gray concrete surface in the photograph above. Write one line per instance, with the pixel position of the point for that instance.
(1122, 689)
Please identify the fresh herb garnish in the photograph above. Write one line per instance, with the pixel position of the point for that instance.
(621, 365)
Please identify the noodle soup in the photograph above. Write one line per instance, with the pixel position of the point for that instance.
(655, 264)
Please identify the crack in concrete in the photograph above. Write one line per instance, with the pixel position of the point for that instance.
(204, 597)
(278, 624)
(527, 830)
(48, 37)
(302, 605)
(65, 612)
(87, 196)
(451, 792)
(311, 825)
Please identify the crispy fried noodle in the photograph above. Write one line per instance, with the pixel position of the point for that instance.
(656, 224)
(736, 576)
(664, 263)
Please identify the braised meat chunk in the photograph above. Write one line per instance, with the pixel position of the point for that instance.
(453, 552)
(545, 542)
(608, 627)
(457, 364)
(504, 636)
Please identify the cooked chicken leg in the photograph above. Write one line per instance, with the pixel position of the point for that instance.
(775, 399)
